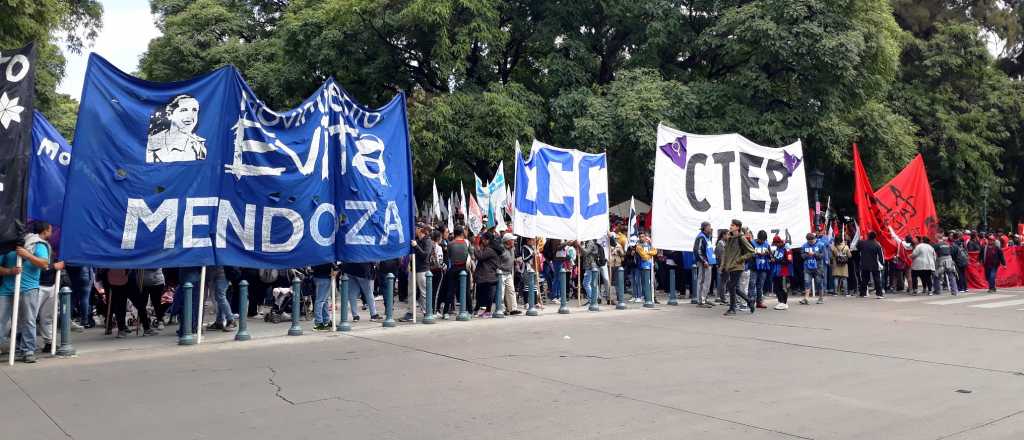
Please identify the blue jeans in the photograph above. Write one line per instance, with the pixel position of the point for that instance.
(816, 276)
(556, 284)
(81, 290)
(323, 292)
(990, 274)
(638, 282)
(760, 278)
(6, 309)
(28, 313)
(220, 295)
(588, 278)
(361, 286)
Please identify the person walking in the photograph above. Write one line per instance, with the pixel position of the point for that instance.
(423, 248)
(961, 259)
(507, 262)
(991, 257)
(871, 263)
(922, 265)
(323, 275)
(590, 257)
(486, 275)
(734, 261)
(704, 254)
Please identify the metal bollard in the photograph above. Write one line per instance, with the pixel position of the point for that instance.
(389, 301)
(693, 285)
(645, 277)
(563, 308)
(428, 314)
(243, 312)
(65, 349)
(499, 297)
(531, 294)
(463, 314)
(345, 323)
(296, 328)
(595, 294)
(186, 338)
(620, 288)
(673, 299)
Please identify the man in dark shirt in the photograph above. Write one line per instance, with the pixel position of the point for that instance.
(870, 265)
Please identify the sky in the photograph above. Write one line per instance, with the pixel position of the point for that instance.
(127, 28)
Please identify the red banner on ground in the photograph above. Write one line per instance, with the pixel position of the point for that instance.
(1010, 276)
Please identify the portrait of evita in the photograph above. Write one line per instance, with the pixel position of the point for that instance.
(172, 136)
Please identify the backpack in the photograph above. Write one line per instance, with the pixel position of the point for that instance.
(268, 275)
(599, 258)
(960, 256)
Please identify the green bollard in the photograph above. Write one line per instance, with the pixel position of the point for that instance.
(594, 292)
(531, 294)
(389, 301)
(563, 308)
(345, 323)
(463, 314)
(620, 288)
(186, 338)
(65, 349)
(243, 312)
(673, 299)
(296, 328)
(428, 314)
(645, 277)
(499, 297)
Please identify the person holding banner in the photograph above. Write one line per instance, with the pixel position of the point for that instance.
(734, 261)
(36, 255)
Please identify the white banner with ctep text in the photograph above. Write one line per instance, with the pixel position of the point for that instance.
(717, 178)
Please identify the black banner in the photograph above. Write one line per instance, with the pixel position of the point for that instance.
(17, 90)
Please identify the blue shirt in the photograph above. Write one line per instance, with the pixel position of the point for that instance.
(29, 272)
(813, 262)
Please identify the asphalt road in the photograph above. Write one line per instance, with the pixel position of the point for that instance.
(853, 368)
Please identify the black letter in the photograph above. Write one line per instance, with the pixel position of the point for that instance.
(746, 182)
(699, 205)
(724, 159)
(778, 181)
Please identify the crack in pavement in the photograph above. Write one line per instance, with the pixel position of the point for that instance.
(584, 387)
(988, 423)
(38, 406)
(279, 390)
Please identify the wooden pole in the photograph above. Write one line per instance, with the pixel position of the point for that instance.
(53, 325)
(579, 275)
(202, 296)
(14, 314)
(334, 303)
(412, 284)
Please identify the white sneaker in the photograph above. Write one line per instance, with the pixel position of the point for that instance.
(781, 306)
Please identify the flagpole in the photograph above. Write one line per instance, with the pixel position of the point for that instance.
(14, 314)
(412, 262)
(53, 324)
(334, 302)
(202, 296)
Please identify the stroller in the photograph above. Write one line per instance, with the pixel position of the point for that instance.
(281, 297)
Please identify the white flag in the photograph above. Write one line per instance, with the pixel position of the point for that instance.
(437, 203)
(451, 218)
(633, 233)
(462, 200)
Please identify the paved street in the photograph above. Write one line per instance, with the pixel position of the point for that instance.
(901, 368)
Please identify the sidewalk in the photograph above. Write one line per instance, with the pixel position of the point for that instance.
(92, 344)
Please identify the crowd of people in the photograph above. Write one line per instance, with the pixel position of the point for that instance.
(734, 264)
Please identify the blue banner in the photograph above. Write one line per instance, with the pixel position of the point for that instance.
(201, 172)
(48, 174)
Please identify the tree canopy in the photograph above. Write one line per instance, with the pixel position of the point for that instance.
(897, 77)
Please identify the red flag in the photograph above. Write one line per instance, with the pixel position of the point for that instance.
(868, 214)
(905, 203)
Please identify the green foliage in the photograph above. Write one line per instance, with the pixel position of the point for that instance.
(44, 21)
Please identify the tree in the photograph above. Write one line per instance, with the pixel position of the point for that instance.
(76, 22)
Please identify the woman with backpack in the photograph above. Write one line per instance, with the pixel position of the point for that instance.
(840, 266)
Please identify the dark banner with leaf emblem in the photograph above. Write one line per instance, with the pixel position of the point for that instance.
(17, 88)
